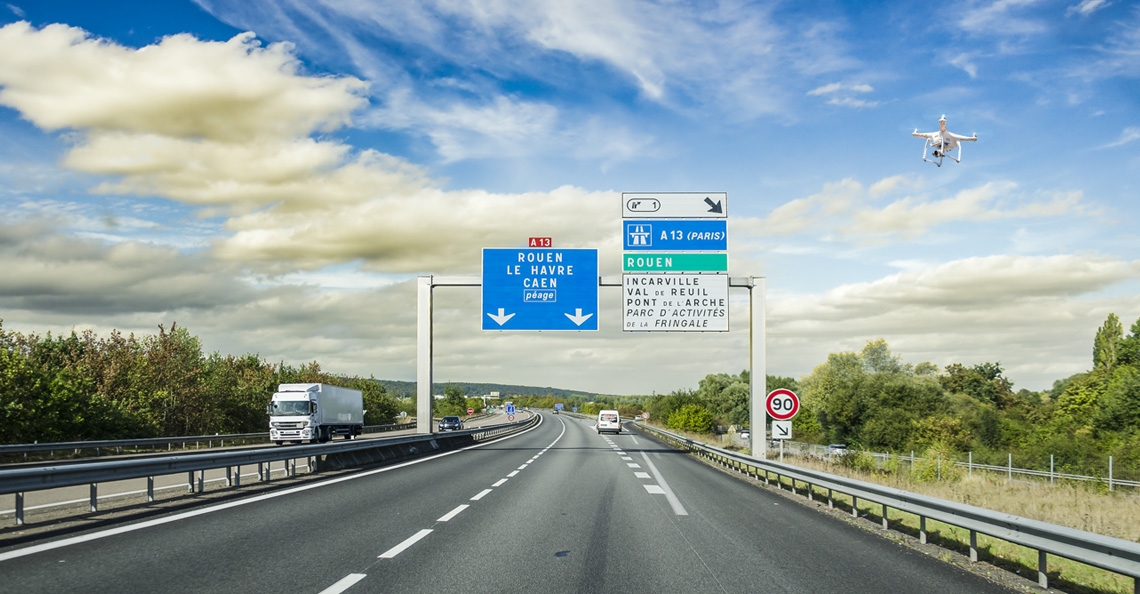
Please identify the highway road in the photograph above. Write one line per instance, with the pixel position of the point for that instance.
(556, 509)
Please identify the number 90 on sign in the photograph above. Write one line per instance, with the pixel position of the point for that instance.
(782, 404)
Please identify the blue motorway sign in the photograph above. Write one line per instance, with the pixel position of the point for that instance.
(661, 235)
(540, 289)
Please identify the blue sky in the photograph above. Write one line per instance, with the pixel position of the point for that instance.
(274, 175)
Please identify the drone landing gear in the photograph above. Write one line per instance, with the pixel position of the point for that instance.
(939, 153)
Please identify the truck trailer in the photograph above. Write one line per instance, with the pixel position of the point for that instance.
(314, 412)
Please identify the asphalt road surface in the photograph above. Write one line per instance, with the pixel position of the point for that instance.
(556, 509)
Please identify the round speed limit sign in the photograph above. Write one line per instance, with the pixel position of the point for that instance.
(782, 404)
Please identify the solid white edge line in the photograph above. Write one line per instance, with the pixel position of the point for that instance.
(48, 546)
(481, 495)
(411, 540)
(453, 513)
(669, 495)
(345, 583)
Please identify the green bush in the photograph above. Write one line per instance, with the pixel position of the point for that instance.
(692, 417)
(936, 464)
(858, 460)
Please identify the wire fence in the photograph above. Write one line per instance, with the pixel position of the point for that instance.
(882, 460)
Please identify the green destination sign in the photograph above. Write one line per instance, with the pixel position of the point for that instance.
(685, 262)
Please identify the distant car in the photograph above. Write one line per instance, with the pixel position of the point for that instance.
(836, 449)
(745, 434)
(450, 424)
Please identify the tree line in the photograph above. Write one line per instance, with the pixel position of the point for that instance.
(84, 387)
(874, 400)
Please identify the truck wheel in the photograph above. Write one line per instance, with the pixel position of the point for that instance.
(279, 442)
(324, 434)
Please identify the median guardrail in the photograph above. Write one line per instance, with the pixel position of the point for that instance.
(1113, 554)
(341, 454)
(16, 449)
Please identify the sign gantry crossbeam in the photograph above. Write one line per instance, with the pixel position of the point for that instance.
(757, 356)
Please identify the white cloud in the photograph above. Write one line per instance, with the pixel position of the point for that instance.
(1087, 7)
(1130, 134)
(505, 127)
(845, 210)
(728, 55)
(852, 102)
(1020, 311)
(845, 101)
(826, 89)
(965, 61)
(1001, 17)
(50, 272)
(181, 87)
(893, 184)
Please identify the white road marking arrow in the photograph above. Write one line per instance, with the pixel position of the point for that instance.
(578, 318)
(502, 319)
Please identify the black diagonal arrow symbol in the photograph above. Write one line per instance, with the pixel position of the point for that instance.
(714, 206)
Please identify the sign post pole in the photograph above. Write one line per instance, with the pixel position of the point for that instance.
(423, 354)
(758, 371)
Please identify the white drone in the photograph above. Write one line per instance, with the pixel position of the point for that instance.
(944, 142)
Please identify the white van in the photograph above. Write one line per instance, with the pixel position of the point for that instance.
(609, 420)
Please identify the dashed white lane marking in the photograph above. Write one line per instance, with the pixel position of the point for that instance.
(345, 583)
(626, 458)
(522, 467)
(655, 489)
(633, 464)
(453, 513)
(411, 540)
(634, 441)
(500, 482)
(672, 498)
(512, 473)
(642, 475)
(481, 495)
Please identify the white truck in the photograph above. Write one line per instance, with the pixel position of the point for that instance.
(315, 412)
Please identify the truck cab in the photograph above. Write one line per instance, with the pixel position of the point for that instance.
(291, 418)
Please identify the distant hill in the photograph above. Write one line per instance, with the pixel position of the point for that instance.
(402, 389)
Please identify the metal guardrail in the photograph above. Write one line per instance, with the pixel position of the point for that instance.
(152, 442)
(18, 480)
(1113, 554)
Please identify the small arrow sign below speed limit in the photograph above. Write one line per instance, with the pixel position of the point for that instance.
(782, 404)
